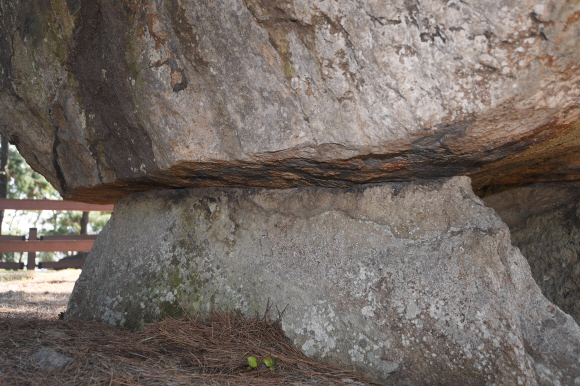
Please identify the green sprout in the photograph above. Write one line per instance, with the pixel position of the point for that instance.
(268, 361)
(253, 363)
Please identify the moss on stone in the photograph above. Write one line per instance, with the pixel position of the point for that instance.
(177, 288)
(289, 70)
(58, 25)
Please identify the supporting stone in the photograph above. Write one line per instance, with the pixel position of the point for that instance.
(404, 282)
(544, 220)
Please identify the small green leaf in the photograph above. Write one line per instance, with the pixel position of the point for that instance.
(253, 362)
(268, 361)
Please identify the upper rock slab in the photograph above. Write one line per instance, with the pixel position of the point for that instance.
(107, 97)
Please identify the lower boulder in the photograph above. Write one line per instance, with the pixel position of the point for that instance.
(544, 220)
(407, 283)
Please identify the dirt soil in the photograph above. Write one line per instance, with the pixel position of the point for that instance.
(35, 294)
(184, 351)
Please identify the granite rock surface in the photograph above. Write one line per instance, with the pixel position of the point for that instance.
(49, 359)
(544, 220)
(408, 283)
(108, 97)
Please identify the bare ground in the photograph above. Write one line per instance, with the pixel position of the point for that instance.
(182, 351)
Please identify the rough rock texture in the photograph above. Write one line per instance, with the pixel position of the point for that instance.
(544, 220)
(108, 97)
(405, 282)
(49, 359)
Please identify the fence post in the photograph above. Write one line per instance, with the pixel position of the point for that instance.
(32, 236)
(84, 223)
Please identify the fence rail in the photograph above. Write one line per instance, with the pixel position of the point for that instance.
(61, 264)
(68, 237)
(57, 243)
(14, 266)
(11, 238)
(46, 246)
(15, 204)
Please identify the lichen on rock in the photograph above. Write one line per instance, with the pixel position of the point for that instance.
(403, 281)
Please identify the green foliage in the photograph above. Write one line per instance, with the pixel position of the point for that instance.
(97, 221)
(253, 363)
(268, 361)
(23, 182)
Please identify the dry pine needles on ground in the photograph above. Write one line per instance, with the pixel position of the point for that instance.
(184, 351)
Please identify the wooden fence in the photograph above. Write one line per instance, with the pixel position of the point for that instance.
(79, 243)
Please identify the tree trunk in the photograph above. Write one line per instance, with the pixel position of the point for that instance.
(3, 178)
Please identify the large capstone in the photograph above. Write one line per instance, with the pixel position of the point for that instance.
(109, 97)
(405, 282)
